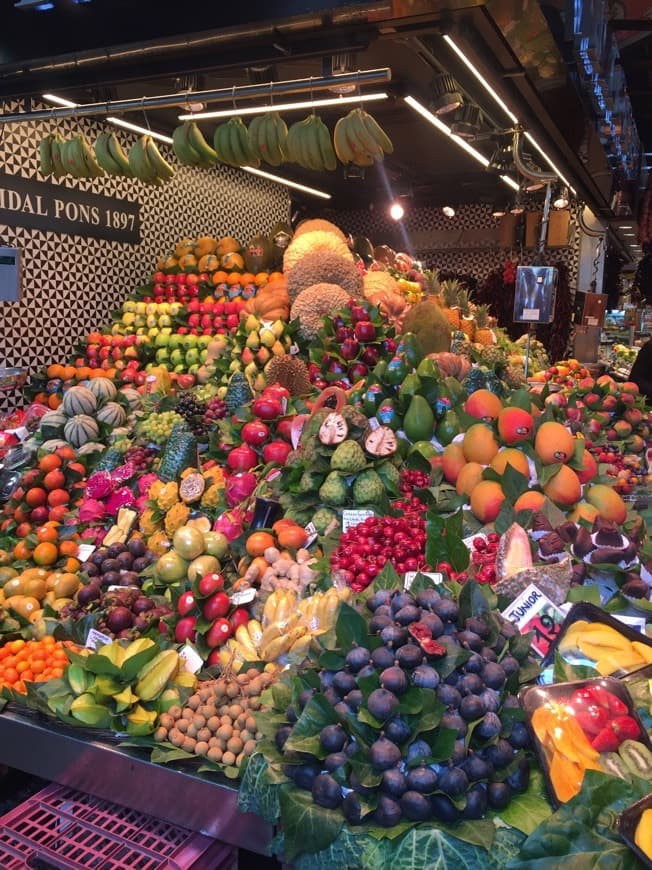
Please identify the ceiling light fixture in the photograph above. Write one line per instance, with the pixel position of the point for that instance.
(629, 234)
(449, 211)
(560, 197)
(420, 109)
(118, 122)
(503, 105)
(467, 121)
(626, 227)
(396, 211)
(285, 107)
(35, 5)
(446, 96)
(313, 191)
(498, 211)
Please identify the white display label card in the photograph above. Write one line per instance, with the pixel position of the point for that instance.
(192, 660)
(85, 551)
(354, 518)
(409, 576)
(534, 611)
(243, 597)
(96, 638)
(530, 314)
(312, 535)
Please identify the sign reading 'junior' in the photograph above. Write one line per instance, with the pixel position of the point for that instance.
(44, 206)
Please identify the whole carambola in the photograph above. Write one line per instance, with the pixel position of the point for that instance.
(153, 678)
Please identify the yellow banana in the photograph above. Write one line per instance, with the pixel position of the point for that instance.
(158, 162)
(244, 639)
(255, 630)
(341, 142)
(377, 133)
(88, 156)
(366, 141)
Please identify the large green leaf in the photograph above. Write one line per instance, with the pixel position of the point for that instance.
(351, 629)
(528, 810)
(256, 794)
(387, 578)
(317, 714)
(306, 826)
(436, 849)
(344, 853)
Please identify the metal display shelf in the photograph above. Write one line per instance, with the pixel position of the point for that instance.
(126, 777)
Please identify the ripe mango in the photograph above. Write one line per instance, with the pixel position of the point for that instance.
(643, 833)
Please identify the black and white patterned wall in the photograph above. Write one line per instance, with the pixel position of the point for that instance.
(467, 243)
(71, 284)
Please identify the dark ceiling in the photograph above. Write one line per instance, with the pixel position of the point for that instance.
(119, 49)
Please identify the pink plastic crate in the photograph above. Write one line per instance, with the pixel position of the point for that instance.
(71, 830)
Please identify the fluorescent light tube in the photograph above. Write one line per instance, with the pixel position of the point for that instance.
(62, 101)
(485, 84)
(284, 107)
(295, 184)
(510, 182)
(136, 129)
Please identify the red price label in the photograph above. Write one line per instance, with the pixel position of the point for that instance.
(545, 625)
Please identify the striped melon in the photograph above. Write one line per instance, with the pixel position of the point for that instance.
(52, 445)
(112, 414)
(79, 400)
(51, 424)
(103, 389)
(80, 429)
(132, 396)
(91, 447)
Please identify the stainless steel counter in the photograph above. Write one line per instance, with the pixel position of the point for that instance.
(126, 777)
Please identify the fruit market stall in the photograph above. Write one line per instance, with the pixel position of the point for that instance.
(295, 538)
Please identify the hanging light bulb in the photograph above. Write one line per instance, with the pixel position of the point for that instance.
(560, 197)
(449, 211)
(517, 207)
(498, 211)
(396, 211)
(446, 96)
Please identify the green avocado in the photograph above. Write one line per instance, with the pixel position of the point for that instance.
(419, 420)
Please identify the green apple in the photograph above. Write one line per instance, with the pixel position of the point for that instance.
(162, 355)
(179, 369)
(202, 355)
(193, 369)
(192, 356)
(177, 357)
(161, 340)
(191, 341)
(164, 320)
(204, 340)
(175, 341)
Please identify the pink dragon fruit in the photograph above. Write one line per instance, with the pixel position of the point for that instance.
(123, 473)
(230, 524)
(99, 485)
(145, 481)
(239, 487)
(91, 511)
(122, 497)
(142, 503)
(94, 535)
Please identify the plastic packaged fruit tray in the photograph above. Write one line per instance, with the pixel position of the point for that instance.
(11, 379)
(62, 828)
(635, 827)
(585, 725)
(591, 637)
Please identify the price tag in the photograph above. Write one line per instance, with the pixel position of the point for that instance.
(468, 542)
(114, 588)
(534, 611)
(243, 597)
(294, 349)
(312, 534)
(530, 314)
(354, 518)
(408, 578)
(635, 622)
(96, 638)
(193, 662)
(85, 551)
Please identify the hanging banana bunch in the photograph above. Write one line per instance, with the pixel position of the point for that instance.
(268, 136)
(74, 157)
(191, 147)
(147, 163)
(360, 139)
(233, 144)
(111, 156)
(309, 144)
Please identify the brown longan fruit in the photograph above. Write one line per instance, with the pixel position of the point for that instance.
(160, 734)
(166, 721)
(249, 747)
(215, 754)
(192, 730)
(251, 725)
(175, 737)
(194, 701)
(201, 747)
(235, 745)
(205, 695)
(228, 758)
(254, 703)
(175, 711)
(252, 673)
(213, 723)
(204, 735)
(199, 720)
(187, 713)
(188, 744)
(182, 725)
(224, 732)
(235, 710)
(232, 690)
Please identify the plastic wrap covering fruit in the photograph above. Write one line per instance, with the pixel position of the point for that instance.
(586, 725)
(590, 637)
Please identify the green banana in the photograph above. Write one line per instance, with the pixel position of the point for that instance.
(46, 162)
(377, 132)
(221, 144)
(119, 156)
(311, 149)
(198, 142)
(139, 162)
(162, 168)
(73, 158)
(153, 678)
(238, 150)
(88, 156)
(328, 158)
(56, 147)
(87, 711)
(343, 149)
(104, 157)
(79, 679)
(182, 148)
(257, 136)
(280, 135)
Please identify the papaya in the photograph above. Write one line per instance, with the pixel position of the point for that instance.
(419, 420)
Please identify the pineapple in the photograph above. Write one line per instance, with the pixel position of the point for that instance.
(450, 307)
(467, 321)
(483, 333)
(433, 287)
